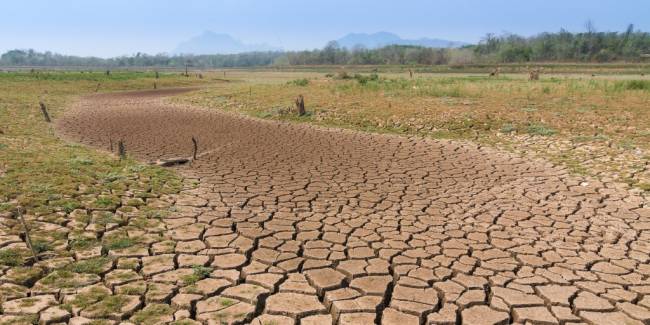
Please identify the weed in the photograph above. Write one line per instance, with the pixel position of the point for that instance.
(508, 128)
(540, 129)
(199, 273)
(41, 246)
(299, 82)
(11, 257)
(152, 314)
(118, 243)
(96, 265)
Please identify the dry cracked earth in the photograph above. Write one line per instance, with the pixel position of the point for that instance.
(294, 224)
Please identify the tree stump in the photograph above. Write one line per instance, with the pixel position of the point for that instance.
(121, 150)
(300, 105)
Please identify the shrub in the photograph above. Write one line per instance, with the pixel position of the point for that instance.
(540, 129)
(508, 128)
(637, 85)
(299, 82)
(361, 79)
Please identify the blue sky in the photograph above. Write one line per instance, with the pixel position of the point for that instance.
(108, 28)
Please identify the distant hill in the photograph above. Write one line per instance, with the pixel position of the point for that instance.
(214, 43)
(381, 39)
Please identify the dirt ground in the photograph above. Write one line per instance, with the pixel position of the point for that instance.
(296, 224)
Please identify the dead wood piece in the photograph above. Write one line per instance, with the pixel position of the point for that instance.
(46, 115)
(171, 162)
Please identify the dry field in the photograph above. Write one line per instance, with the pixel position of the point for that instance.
(594, 125)
(471, 201)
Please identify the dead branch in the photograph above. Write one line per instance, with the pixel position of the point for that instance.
(195, 145)
(46, 115)
(20, 211)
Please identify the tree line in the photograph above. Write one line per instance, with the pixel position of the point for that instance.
(563, 46)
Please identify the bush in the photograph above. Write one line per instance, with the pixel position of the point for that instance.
(637, 85)
(540, 129)
(361, 79)
(299, 82)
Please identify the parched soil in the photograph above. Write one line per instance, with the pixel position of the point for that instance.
(304, 225)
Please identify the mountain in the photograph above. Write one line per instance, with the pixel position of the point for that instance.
(214, 43)
(380, 39)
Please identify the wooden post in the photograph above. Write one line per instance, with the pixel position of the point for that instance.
(110, 144)
(411, 73)
(157, 76)
(186, 74)
(300, 105)
(44, 111)
(196, 148)
(28, 239)
(121, 150)
(154, 85)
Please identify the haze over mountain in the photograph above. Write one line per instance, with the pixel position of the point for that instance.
(218, 43)
(213, 43)
(381, 39)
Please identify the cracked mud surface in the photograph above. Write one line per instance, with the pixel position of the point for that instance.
(293, 224)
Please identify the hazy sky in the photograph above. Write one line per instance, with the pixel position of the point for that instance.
(108, 28)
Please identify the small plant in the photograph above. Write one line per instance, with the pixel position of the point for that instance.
(226, 302)
(11, 257)
(82, 243)
(198, 273)
(93, 265)
(363, 80)
(540, 129)
(637, 85)
(41, 246)
(152, 314)
(119, 243)
(299, 82)
(508, 128)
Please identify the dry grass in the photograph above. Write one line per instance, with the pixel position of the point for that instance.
(605, 117)
(43, 173)
(455, 107)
